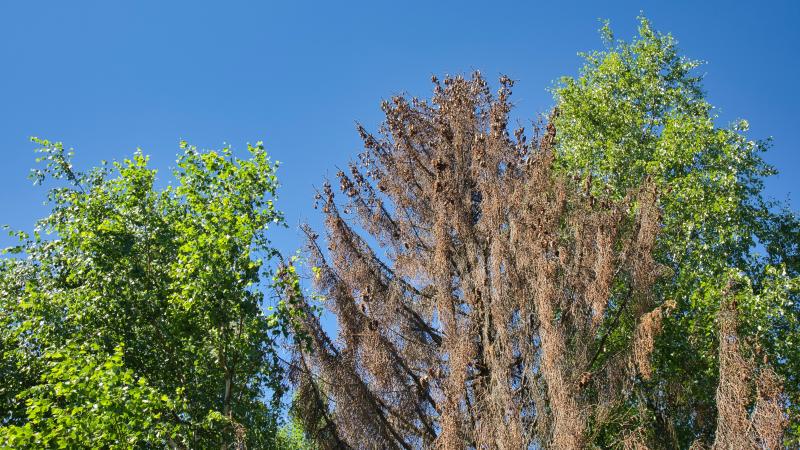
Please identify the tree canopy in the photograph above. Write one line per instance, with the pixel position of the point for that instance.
(638, 111)
(134, 317)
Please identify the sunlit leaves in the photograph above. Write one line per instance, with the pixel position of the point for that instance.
(132, 310)
(638, 111)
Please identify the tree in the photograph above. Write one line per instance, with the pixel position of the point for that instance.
(637, 111)
(133, 317)
(589, 284)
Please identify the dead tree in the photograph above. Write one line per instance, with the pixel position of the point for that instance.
(484, 298)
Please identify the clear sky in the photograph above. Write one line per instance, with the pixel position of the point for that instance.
(106, 77)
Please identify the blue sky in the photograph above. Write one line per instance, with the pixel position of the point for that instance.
(108, 77)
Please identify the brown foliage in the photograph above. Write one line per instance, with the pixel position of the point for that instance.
(742, 384)
(483, 299)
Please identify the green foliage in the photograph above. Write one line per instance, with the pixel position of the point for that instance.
(292, 436)
(87, 399)
(135, 317)
(637, 112)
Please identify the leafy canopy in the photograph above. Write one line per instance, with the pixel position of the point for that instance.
(134, 316)
(637, 111)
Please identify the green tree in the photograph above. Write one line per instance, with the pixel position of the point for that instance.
(135, 317)
(637, 111)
